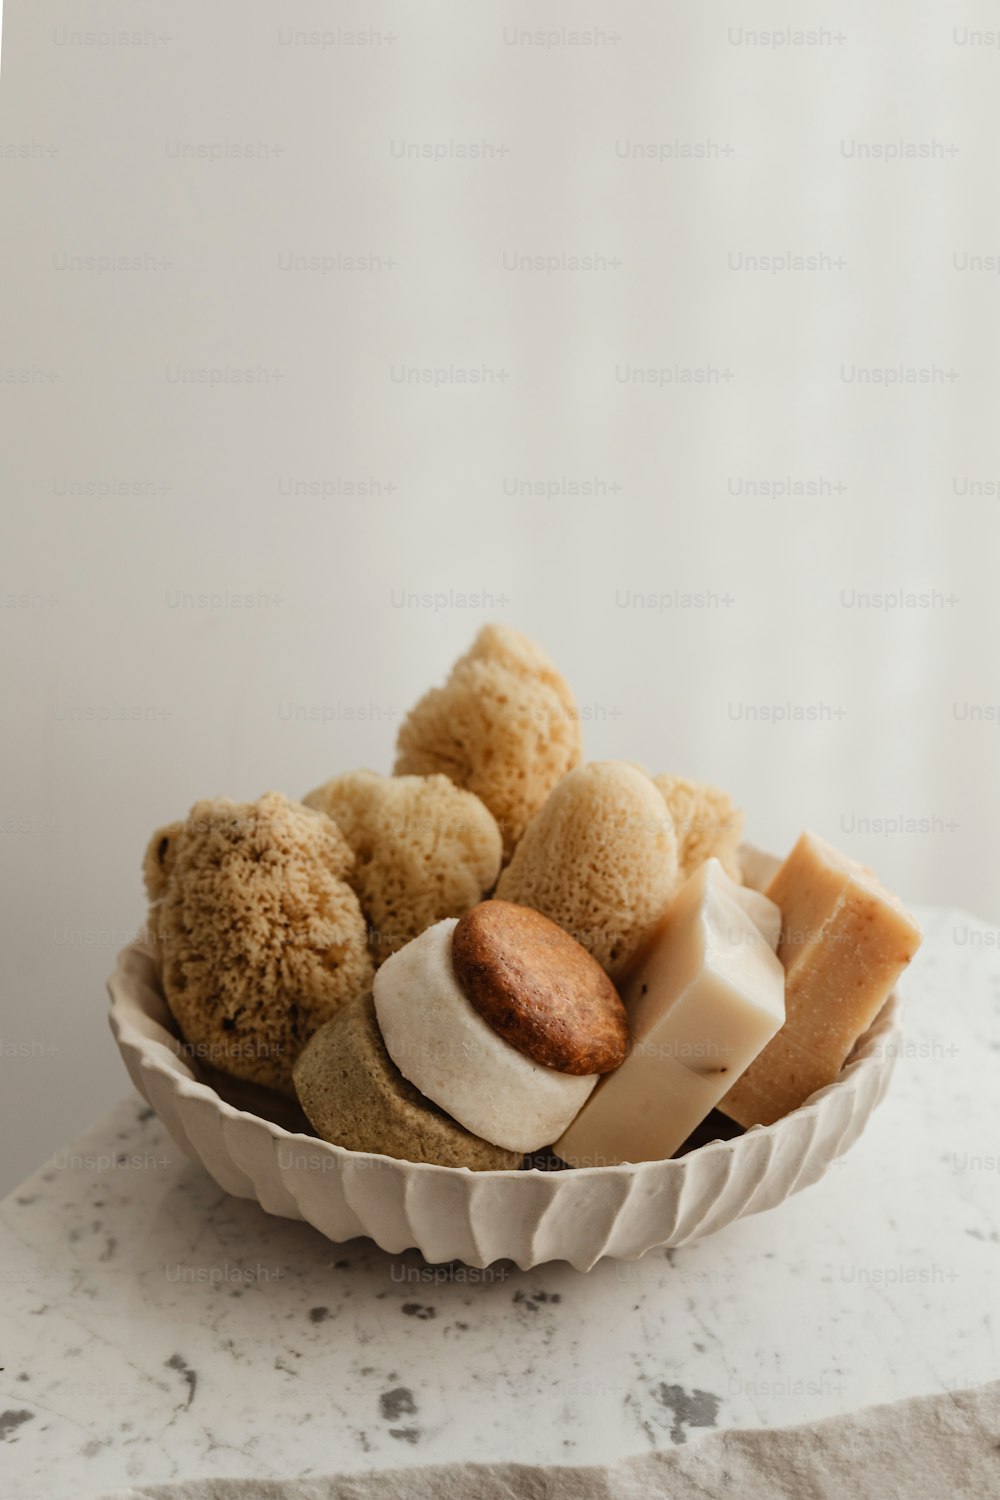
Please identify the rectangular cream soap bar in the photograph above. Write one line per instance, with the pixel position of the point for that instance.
(845, 940)
(705, 997)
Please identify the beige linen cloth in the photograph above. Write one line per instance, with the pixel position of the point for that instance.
(925, 1448)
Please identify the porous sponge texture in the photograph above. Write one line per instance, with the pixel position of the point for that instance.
(355, 1096)
(505, 726)
(600, 858)
(423, 849)
(260, 938)
(706, 821)
(158, 860)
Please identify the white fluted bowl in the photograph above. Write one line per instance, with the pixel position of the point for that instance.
(450, 1213)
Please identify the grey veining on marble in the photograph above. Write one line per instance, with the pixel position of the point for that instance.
(154, 1328)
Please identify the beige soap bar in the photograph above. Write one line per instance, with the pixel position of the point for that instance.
(704, 998)
(845, 940)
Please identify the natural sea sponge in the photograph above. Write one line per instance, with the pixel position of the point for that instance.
(600, 858)
(505, 725)
(423, 849)
(706, 821)
(261, 940)
(355, 1096)
(158, 860)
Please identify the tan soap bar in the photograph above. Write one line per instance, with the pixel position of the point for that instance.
(704, 998)
(844, 942)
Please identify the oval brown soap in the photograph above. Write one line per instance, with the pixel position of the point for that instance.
(539, 989)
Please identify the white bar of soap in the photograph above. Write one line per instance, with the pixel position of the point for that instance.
(705, 998)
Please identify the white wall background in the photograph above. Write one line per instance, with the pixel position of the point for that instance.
(128, 491)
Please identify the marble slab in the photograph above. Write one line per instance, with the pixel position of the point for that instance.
(153, 1328)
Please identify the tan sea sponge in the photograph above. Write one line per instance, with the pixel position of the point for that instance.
(158, 860)
(505, 725)
(706, 821)
(600, 858)
(260, 938)
(424, 849)
(355, 1096)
